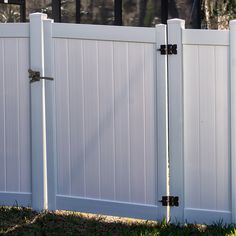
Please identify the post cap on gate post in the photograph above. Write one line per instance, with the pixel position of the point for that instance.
(37, 17)
(41, 16)
(176, 21)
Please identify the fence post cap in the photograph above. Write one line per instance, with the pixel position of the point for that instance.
(160, 26)
(48, 20)
(175, 21)
(38, 15)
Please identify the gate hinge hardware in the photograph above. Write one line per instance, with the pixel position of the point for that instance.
(168, 49)
(170, 201)
(35, 76)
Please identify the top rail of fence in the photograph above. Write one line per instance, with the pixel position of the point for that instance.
(14, 30)
(101, 32)
(206, 37)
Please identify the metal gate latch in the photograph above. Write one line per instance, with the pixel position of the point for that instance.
(35, 76)
(170, 201)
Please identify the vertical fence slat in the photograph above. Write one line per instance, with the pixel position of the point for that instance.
(122, 141)
(24, 117)
(11, 115)
(192, 127)
(223, 172)
(77, 145)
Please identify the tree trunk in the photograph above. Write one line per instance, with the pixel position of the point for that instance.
(173, 10)
(143, 9)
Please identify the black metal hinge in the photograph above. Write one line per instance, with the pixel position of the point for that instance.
(169, 49)
(170, 201)
(35, 76)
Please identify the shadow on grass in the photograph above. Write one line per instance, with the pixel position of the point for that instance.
(23, 221)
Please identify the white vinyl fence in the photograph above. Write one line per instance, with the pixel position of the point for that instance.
(206, 82)
(15, 158)
(202, 169)
(107, 135)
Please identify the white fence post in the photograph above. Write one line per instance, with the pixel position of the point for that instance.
(38, 119)
(50, 114)
(233, 114)
(162, 122)
(175, 82)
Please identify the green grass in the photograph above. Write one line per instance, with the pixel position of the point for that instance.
(24, 221)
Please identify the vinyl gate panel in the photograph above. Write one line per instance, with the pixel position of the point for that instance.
(207, 131)
(106, 130)
(105, 112)
(15, 168)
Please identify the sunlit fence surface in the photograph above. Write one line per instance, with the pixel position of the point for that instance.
(114, 120)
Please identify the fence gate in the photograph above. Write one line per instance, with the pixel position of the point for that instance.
(106, 117)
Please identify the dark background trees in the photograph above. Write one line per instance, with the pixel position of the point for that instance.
(214, 13)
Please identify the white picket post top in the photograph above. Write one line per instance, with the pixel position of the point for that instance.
(38, 118)
(233, 114)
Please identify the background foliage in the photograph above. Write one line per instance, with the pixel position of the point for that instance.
(215, 14)
(218, 13)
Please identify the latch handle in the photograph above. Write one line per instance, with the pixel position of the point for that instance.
(35, 76)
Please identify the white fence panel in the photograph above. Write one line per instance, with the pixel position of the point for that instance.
(105, 114)
(206, 127)
(105, 120)
(15, 157)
